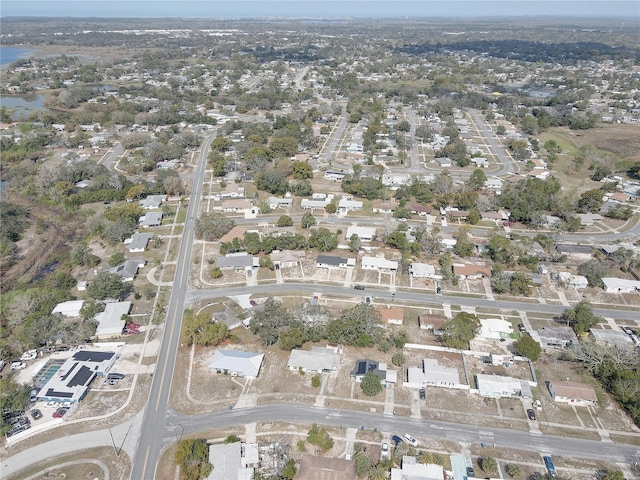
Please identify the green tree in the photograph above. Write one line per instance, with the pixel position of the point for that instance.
(211, 226)
(272, 181)
(302, 170)
(460, 330)
(477, 179)
(232, 439)
(137, 191)
(202, 329)
(378, 472)
(355, 243)
(284, 221)
(291, 338)
(521, 284)
(488, 465)
(308, 220)
(319, 437)
(514, 470)
(192, 456)
(107, 285)
(501, 250)
(322, 239)
(526, 346)
(371, 384)
(464, 246)
(593, 270)
(613, 475)
(315, 381)
(590, 201)
(283, 147)
(116, 259)
(331, 208)
(398, 359)
(363, 464)
(216, 272)
(474, 217)
(15, 397)
(581, 317)
(83, 256)
(289, 470)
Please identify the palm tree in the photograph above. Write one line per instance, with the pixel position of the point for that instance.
(378, 472)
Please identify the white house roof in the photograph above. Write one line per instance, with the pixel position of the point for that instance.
(495, 328)
(498, 383)
(613, 337)
(317, 359)
(422, 269)
(432, 373)
(151, 219)
(345, 204)
(380, 262)
(412, 470)
(612, 284)
(152, 201)
(69, 309)
(138, 242)
(361, 232)
(226, 461)
(242, 363)
(110, 321)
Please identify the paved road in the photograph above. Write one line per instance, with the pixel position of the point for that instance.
(150, 443)
(115, 152)
(400, 296)
(506, 162)
(335, 138)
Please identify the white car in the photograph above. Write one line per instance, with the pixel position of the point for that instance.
(385, 449)
(18, 365)
(29, 355)
(52, 404)
(66, 404)
(409, 439)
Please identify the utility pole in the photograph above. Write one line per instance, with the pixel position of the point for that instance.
(113, 442)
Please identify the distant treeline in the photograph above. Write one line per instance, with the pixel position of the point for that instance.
(529, 51)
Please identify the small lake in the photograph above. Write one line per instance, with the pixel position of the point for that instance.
(23, 106)
(11, 54)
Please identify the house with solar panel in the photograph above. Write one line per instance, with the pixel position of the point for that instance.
(70, 383)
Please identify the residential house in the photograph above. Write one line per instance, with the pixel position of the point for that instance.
(318, 360)
(619, 197)
(391, 315)
(576, 252)
(324, 468)
(236, 363)
(444, 162)
(152, 202)
(346, 205)
(332, 261)
(611, 337)
(557, 337)
(238, 260)
(383, 207)
(236, 232)
(138, 242)
(110, 321)
(365, 234)
(236, 205)
(433, 374)
(232, 190)
(277, 202)
(227, 462)
(497, 386)
(413, 470)
(287, 258)
(495, 329)
(70, 383)
(315, 203)
(432, 321)
(151, 219)
(458, 214)
(380, 264)
(575, 281)
(421, 210)
(589, 219)
(380, 369)
(493, 183)
(422, 270)
(620, 285)
(480, 162)
(573, 393)
(496, 217)
(128, 269)
(471, 271)
(68, 309)
(334, 175)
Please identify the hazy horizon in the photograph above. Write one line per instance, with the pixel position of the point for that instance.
(317, 9)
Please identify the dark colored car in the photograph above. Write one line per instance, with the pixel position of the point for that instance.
(115, 376)
(471, 472)
(253, 303)
(35, 414)
(60, 412)
(423, 394)
(358, 287)
(548, 462)
(397, 439)
(531, 414)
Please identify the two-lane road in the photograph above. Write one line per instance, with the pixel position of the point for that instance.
(153, 423)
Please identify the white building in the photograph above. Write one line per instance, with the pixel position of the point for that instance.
(69, 309)
(380, 264)
(365, 234)
(495, 329)
(345, 205)
(110, 322)
(422, 270)
(620, 285)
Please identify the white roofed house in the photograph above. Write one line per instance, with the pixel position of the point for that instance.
(128, 269)
(152, 201)
(110, 322)
(332, 261)
(69, 309)
(287, 258)
(365, 234)
(236, 205)
(433, 374)
(138, 242)
(414, 470)
(557, 337)
(379, 264)
(238, 260)
(237, 363)
(318, 359)
(611, 337)
(495, 329)
(276, 202)
(620, 285)
(573, 393)
(422, 270)
(151, 219)
(346, 205)
(496, 386)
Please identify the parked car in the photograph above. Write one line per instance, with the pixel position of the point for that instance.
(115, 376)
(60, 412)
(18, 365)
(33, 396)
(521, 328)
(385, 449)
(35, 414)
(397, 439)
(29, 355)
(253, 303)
(471, 472)
(135, 326)
(111, 382)
(314, 300)
(358, 287)
(66, 404)
(548, 462)
(531, 414)
(409, 439)
(423, 393)
(627, 330)
(52, 404)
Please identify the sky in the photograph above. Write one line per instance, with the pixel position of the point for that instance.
(317, 8)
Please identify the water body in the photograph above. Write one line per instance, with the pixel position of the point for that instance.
(23, 106)
(11, 54)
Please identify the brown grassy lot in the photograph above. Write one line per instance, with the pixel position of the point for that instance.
(476, 366)
(118, 466)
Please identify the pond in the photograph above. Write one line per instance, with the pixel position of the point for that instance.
(23, 106)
